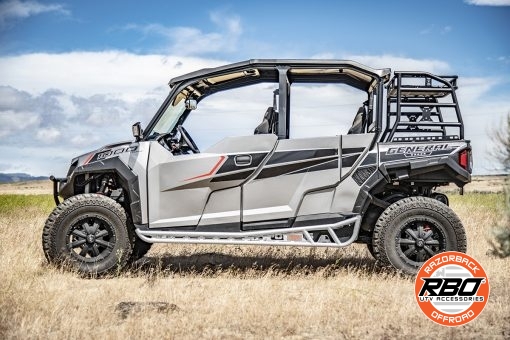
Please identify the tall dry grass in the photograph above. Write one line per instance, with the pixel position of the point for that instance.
(186, 291)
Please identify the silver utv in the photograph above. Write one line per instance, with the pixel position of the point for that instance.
(372, 183)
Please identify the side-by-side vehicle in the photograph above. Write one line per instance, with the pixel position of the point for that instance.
(373, 183)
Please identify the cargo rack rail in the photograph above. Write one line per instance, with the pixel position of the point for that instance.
(422, 107)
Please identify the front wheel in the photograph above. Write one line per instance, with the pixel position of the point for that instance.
(87, 233)
(414, 229)
(370, 248)
(139, 246)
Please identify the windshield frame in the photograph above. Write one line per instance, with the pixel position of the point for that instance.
(169, 119)
(149, 133)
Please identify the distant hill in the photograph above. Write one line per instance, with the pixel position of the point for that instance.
(19, 177)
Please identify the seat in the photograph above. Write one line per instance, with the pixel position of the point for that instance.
(267, 124)
(359, 123)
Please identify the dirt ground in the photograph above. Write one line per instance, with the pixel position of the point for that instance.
(232, 292)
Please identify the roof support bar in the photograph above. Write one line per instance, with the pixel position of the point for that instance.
(283, 103)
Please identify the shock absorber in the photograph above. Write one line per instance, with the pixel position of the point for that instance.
(440, 197)
(106, 184)
(103, 186)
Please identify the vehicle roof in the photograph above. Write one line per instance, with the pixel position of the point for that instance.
(275, 63)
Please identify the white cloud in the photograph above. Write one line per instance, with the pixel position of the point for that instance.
(12, 122)
(488, 2)
(88, 73)
(75, 102)
(193, 41)
(474, 89)
(10, 97)
(15, 9)
(37, 160)
(67, 104)
(48, 135)
(397, 63)
(229, 23)
(55, 117)
(84, 140)
(481, 112)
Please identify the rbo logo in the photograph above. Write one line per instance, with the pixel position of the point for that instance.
(451, 288)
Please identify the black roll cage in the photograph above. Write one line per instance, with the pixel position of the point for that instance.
(199, 84)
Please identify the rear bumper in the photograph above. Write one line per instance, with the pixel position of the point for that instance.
(56, 187)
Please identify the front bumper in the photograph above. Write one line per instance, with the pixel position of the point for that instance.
(57, 182)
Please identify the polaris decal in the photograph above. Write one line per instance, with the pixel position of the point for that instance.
(114, 152)
(419, 150)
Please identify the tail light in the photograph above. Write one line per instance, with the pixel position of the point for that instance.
(466, 160)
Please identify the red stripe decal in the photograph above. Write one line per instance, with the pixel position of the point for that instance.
(88, 158)
(213, 170)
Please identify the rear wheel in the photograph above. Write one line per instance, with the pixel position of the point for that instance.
(87, 233)
(414, 229)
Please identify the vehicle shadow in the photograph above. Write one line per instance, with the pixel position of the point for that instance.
(214, 264)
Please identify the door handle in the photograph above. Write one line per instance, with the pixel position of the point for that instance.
(242, 160)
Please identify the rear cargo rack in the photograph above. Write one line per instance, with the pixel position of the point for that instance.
(422, 107)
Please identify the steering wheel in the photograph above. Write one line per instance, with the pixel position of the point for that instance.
(165, 140)
(187, 139)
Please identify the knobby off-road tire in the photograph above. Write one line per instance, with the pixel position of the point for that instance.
(370, 248)
(88, 233)
(412, 230)
(139, 246)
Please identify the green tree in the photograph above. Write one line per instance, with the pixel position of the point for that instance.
(502, 148)
(501, 242)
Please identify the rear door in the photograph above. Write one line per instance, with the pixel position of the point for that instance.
(295, 168)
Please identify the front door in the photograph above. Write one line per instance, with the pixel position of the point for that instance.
(203, 189)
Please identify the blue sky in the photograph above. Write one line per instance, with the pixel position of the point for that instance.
(76, 74)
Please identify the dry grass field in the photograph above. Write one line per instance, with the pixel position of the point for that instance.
(229, 292)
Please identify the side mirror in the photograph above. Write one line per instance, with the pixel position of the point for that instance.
(137, 131)
(191, 104)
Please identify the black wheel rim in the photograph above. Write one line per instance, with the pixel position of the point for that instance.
(90, 239)
(419, 240)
